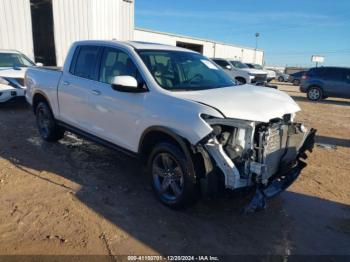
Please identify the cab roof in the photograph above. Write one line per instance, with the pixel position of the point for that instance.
(136, 45)
(4, 51)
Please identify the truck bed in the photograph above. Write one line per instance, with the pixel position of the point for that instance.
(46, 80)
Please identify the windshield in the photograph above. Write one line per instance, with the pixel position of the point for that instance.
(238, 64)
(178, 71)
(14, 60)
(258, 66)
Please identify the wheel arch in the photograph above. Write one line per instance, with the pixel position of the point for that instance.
(40, 97)
(314, 85)
(155, 134)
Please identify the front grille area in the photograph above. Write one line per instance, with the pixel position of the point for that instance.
(275, 147)
(260, 78)
(277, 144)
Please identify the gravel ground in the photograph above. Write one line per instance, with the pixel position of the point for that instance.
(75, 197)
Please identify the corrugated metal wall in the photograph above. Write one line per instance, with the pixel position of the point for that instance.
(210, 48)
(16, 26)
(91, 19)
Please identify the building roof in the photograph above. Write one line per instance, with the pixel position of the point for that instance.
(196, 38)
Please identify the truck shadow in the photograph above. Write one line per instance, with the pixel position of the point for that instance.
(16, 104)
(114, 187)
(334, 141)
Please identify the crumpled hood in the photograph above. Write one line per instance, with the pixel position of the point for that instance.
(245, 102)
(13, 73)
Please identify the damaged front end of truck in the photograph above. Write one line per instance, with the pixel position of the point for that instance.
(268, 156)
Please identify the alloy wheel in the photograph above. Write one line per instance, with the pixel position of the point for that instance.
(43, 122)
(314, 94)
(168, 176)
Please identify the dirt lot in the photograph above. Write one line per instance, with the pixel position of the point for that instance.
(78, 198)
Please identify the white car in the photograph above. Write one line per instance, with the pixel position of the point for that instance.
(271, 75)
(13, 66)
(241, 73)
(176, 111)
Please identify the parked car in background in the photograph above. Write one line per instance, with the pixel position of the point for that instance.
(178, 112)
(281, 77)
(241, 73)
(270, 73)
(295, 78)
(323, 82)
(13, 66)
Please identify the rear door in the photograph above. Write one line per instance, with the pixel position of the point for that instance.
(345, 86)
(76, 86)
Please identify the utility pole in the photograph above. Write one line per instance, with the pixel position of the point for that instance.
(256, 46)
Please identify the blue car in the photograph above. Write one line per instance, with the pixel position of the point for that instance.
(322, 82)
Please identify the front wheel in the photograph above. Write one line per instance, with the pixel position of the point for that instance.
(281, 79)
(48, 128)
(240, 81)
(172, 176)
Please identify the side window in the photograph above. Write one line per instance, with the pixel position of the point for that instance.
(85, 64)
(347, 75)
(333, 74)
(221, 63)
(117, 63)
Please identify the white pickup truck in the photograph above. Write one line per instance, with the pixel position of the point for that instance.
(241, 73)
(178, 112)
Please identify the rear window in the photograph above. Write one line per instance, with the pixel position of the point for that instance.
(338, 74)
(326, 73)
(85, 62)
(221, 63)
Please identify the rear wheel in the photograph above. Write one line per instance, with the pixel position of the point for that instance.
(172, 176)
(314, 93)
(48, 128)
(296, 82)
(281, 79)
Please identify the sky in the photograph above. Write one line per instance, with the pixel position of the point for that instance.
(291, 31)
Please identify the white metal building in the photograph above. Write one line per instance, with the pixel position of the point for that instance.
(44, 29)
(209, 48)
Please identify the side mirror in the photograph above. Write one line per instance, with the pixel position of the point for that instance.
(126, 84)
(39, 64)
(228, 67)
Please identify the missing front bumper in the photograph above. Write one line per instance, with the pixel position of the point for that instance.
(268, 185)
(283, 179)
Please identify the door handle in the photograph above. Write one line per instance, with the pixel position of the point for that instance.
(66, 83)
(96, 92)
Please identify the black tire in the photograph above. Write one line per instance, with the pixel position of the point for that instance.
(296, 82)
(241, 81)
(314, 93)
(281, 79)
(164, 159)
(47, 126)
